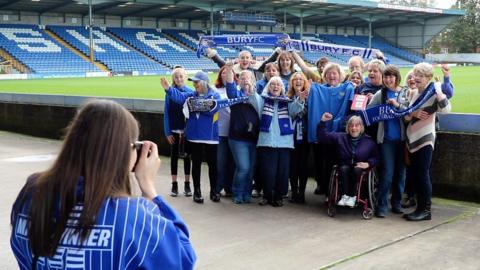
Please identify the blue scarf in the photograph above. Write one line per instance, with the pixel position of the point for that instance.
(197, 104)
(283, 116)
(283, 41)
(386, 111)
(213, 41)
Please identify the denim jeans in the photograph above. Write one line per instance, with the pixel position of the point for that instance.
(421, 160)
(225, 166)
(244, 157)
(274, 167)
(392, 176)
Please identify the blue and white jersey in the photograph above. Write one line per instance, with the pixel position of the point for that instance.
(129, 233)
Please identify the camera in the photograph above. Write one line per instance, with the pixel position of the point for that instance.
(138, 147)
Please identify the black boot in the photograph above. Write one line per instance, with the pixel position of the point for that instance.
(186, 190)
(419, 215)
(214, 197)
(197, 195)
(174, 191)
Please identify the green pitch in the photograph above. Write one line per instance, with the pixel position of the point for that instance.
(465, 100)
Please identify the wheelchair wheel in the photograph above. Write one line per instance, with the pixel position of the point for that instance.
(372, 188)
(367, 214)
(332, 188)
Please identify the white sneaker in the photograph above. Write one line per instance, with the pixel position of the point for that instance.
(343, 200)
(351, 201)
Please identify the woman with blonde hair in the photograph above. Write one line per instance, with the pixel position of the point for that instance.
(421, 139)
(299, 85)
(81, 212)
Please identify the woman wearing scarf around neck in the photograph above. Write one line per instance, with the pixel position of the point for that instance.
(391, 139)
(421, 137)
(276, 139)
(335, 98)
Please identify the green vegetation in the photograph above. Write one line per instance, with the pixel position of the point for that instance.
(465, 100)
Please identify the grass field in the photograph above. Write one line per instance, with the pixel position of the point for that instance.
(465, 100)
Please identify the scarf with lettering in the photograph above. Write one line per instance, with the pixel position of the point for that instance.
(386, 111)
(283, 41)
(283, 116)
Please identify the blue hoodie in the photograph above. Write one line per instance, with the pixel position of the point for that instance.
(201, 126)
(173, 118)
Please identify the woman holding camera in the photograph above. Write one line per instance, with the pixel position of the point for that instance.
(80, 212)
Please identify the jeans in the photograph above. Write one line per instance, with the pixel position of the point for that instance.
(274, 166)
(392, 176)
(421, 160)
(244, 156)
(225, 166)
(174, 156)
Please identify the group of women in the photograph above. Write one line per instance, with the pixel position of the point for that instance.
(85, 200)
(290, 112)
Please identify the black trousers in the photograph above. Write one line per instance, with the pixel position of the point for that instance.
(299, 167)
(199, 152)
(324, 156)
(174, 150)
(348, 176)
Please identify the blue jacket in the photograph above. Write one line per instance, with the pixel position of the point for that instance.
(201, 126)
(129, 233)
(335, 100)
(173, 118)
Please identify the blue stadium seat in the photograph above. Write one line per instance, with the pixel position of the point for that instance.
(114, 54)
(154, 44)
(34, 48)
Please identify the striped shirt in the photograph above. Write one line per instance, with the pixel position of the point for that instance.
(421, 133)
(129, 233)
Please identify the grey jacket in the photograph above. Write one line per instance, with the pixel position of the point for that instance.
(404, 103)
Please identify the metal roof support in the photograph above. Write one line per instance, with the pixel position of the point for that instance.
(301, 24)
(370, 32)
(284, 22)
(423, 36)
(211, 20)
(90, 29)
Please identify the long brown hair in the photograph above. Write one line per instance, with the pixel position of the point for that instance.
(97, 147)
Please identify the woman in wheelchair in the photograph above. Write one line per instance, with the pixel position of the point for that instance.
(355, 152)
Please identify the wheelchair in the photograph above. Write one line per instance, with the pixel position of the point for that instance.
(366, 192)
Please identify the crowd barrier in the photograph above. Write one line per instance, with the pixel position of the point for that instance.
(455, 171)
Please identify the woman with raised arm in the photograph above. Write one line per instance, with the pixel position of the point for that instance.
(334, 97)
(355, 152)
(201, 132)
(243, 133)
(174, 127)
(391, 140)
(321, 63)
(81, 213)
(298, 86)
(421, 138)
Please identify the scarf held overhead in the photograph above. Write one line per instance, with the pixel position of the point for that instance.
(386, 111)
(209, 105)
(283, 41)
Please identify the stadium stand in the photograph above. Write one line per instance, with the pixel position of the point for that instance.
(118, 57)
(157, 46)
(34, 48)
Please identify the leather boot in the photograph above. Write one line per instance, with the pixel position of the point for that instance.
(197, 195)
(420, 215)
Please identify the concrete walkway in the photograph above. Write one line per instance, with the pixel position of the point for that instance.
(229, 236)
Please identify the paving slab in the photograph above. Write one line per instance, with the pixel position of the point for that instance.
(250, 236)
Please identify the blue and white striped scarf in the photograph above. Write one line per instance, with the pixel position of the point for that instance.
(283, 116)
(386, 111)
(283, 41)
